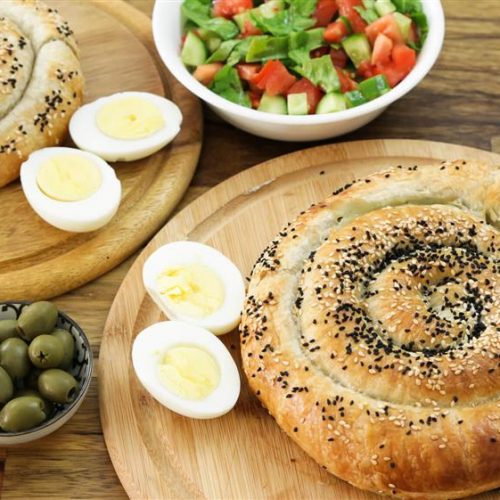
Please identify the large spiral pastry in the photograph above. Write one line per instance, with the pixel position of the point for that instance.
(371, 331)
(41, 82)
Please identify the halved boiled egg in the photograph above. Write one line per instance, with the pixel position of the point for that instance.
(186, 369)
(71, 189)
(126, 126)
(195, 283)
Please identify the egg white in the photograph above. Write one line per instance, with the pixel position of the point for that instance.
(84, 215)
(153, 342)
(180, 253)
(88, 137)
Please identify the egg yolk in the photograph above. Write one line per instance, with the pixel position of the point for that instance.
(189, 372)
(129, 118)
(68, 178)
(194, 290)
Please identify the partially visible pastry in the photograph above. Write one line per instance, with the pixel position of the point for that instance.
(41, 81)
(371, 331)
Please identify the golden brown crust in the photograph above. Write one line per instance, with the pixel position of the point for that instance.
(371, 331)
(41, 81)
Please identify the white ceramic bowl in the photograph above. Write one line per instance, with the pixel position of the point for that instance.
(81, 369)
(167, 35)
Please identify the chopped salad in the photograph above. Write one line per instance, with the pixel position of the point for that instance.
(302, 57)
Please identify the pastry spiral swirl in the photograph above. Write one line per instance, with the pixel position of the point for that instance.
(41, 82)
(371, 331)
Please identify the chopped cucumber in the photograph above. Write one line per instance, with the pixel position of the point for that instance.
(297, 104)
(193, 52)
(369, 4)
(263, 48)
(211, 39)
(222, 53)
(404, 24)
(368, 15)
(273, 104)
(331, 102)
(357, 48)
(354, 98)
(213, 43)
(374, 87)
(384, 7)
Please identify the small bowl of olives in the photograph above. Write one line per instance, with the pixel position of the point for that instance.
(45, 370)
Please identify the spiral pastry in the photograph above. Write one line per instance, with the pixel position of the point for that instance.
(41, 82)
(371, 331)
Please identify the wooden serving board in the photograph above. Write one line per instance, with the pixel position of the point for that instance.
(117, 54)
(243, 455)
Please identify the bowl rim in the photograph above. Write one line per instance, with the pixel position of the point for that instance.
(426, 59)
(83, 390)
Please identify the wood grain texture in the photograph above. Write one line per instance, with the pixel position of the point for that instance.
(42, 267)
(445, 106)
(159, 454)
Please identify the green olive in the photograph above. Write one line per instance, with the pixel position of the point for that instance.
(14, 357)
(46, 351)
(8, 328)
(36, 319)
(68, 343)
(6, 386)
(57, 386)
(47, 405)
(22, 413)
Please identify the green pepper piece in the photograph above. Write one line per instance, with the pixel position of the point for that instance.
(354, 98)
(374, 87)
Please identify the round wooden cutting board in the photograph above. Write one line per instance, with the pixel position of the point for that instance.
(117, 54)
(244, 454)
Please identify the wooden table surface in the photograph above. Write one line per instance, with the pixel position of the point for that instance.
(458, 102)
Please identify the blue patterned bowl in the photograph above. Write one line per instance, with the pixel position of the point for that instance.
(81, 369)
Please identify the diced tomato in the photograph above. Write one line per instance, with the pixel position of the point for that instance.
(335, 31)
(229, 8)
(319, 52)
(249, 29)
(386, 25)
(314, 93)
(274, 78)
(247, 71)
(325, 10)
(346, 8)
(382, 49)
(403, 59)
(346, 82)
(255, 97)
(205, 73)
(338, 57)
(366, 69)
